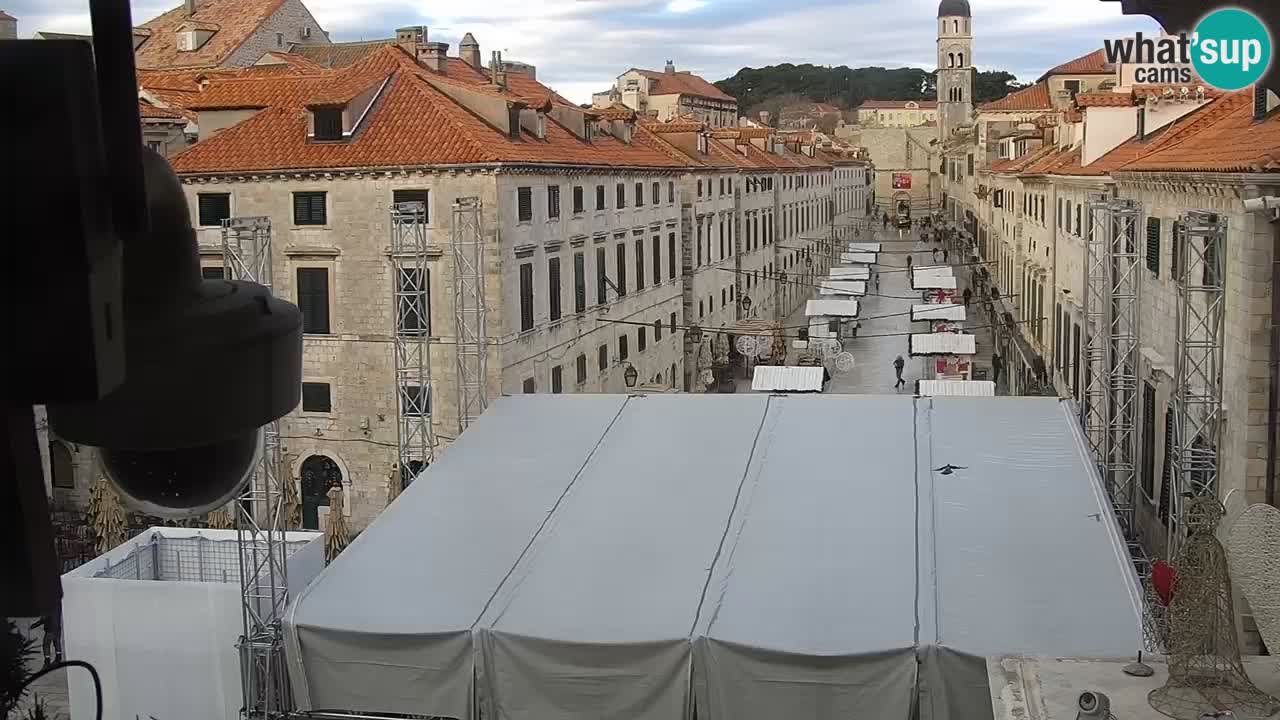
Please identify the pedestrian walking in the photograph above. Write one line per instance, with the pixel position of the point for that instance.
(967, 294)
(877, 281)
(908, 262)
(997, 367)
(52, 625)
(898, 364)
(884, 220)
(944, 254)
(935, 254)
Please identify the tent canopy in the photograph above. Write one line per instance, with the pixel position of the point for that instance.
(611, 556)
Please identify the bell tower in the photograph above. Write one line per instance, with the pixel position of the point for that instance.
(955, 66)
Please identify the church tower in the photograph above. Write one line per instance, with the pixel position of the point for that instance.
(955, 66)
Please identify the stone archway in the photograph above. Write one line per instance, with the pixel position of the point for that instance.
(319, 473)
(62, 469)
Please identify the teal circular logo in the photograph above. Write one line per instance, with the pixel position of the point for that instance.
(1231, 49)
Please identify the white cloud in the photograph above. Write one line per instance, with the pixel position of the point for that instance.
(683, 6)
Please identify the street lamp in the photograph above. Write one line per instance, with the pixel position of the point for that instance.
(695, 335)
(782, 277)
(746, 303)
(808, 261)
(630, 375)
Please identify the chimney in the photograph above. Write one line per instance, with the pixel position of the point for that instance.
(1260, 102)
(8, 26)
(469, 51)
(497, 74)
(190, 7)
(670, 69)
(435, 55)
(411, 38)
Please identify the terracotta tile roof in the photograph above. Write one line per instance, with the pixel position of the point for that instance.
(1029, 99)
(234, 20)
(1094, 63)
(682, 83)
(1219, 137)
(409, 124)
(293, 61)
(338, 55)
(6, 16)
(1104, 99)
(896, 104)
(1073, 116)
(147, 111)
(43, 35)
(1013, 165)
(1047, 160)
(678, 126)
(616, 112)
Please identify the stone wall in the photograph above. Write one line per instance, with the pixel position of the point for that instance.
(285, 26)
(898, 150)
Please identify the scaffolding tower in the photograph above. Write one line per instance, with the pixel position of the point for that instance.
(264, 588)
(1112, 294)
(470, 313)
(1196, 401)
(411, 333)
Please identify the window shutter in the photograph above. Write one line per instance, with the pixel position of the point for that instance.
(526, 296)
(1175, 254)
(1153, 245)
(582, 369)
(316, 398)
(214, 208)
(308, 208)
(553, 201)
(553, 287)
(313, 299)
(524, 202)
(579, 282)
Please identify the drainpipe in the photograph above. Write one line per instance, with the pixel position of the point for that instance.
(1272, 205)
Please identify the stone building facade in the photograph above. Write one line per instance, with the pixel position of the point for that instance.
(670, 95)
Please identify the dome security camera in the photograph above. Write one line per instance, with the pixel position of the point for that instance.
(1093, 704)
(208, 363)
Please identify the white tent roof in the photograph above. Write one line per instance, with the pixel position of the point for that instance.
(774, 378)
(609, 556)
(945, 343)
(938, 311)
(933, 282)
(842, 287)
(858, 257)
(831, 308)
(873, 247)
(853, 272)
(958, 388)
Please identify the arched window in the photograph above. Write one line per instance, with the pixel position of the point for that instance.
(319, 474)
(61, 468)
(961, 57)
(951, 59)
(955, 25)
(959, 94)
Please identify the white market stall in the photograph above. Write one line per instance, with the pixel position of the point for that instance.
(855, 272)
(866, 258)
(842, 287)
(869, 247)
(957, 388)
(522, 576)
(782, 378)
(159, 617)
(832, 318)
(953, 312)
(951, 352)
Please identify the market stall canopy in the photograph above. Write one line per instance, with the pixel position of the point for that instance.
(869, 247)
(852, 272)
(932, 281)
(831, 308)
(776, 378)
(938, 311)
(653, 557)
(866, 258)
(957, 388)
(842, 287)
(945, 343)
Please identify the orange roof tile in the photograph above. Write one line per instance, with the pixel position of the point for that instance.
(1104, 99)
(682, 83)
(679, 126)
(616, 112)
(147, 111)
(1094, 63)
(234, 20)
(1029, 99)
(338, 55)
(1219, 137)
(410, 124)
(1013, 165)
(896, 104)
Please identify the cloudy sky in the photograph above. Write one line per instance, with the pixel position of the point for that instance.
(580, 45)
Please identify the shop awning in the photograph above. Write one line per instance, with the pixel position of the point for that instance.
(942, 344)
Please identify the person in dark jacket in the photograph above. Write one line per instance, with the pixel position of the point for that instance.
(997, 367)
(967, 295)
(898, 364)
(826, 378)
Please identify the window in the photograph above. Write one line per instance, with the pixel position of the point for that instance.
(1209, 274)
(657, 193)
(524, 204)
(699, 244)
(641, 339)
(418, 196)
(639, 263)
(414, 302)
(723, 291)
(1149, 441)
(414, 402)
(328, 124)
(579, 282)
(553, 287)
(671, 191)
(553, 202)
(530, 386)
(313, 299)
(1153, 245)
(1166, 477)
(309, 208)
(602, 358)
(279, 39)
(61, 467)
(1175, 250)
(315, 397)
(657, 330)
(699, 188)
(1058, 216)
(622, 347)
(212, 272)
(1057, 334)
(1075, 359)
(602, 285)
(600, 197)
(673, 322)
(657, 259)
(1071, 86)
(701, 311)
(621, 279)
(526, 296)
(577, 200)
(621, 192)
(557, 379)
(581, 368)
(639, 194)
(213, 208)
(1078, 213)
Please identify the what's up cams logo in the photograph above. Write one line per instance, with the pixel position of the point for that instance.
(1229, 49)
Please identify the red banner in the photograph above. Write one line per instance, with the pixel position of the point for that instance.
(902, 181)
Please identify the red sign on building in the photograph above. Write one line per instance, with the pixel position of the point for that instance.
(902, 181)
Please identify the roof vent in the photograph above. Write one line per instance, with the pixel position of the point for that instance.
(1259, 102)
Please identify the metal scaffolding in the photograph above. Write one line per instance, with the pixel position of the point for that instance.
(411, 333)
(1113, 290)
(1196, 400)
(470, 313)
(264, 588)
